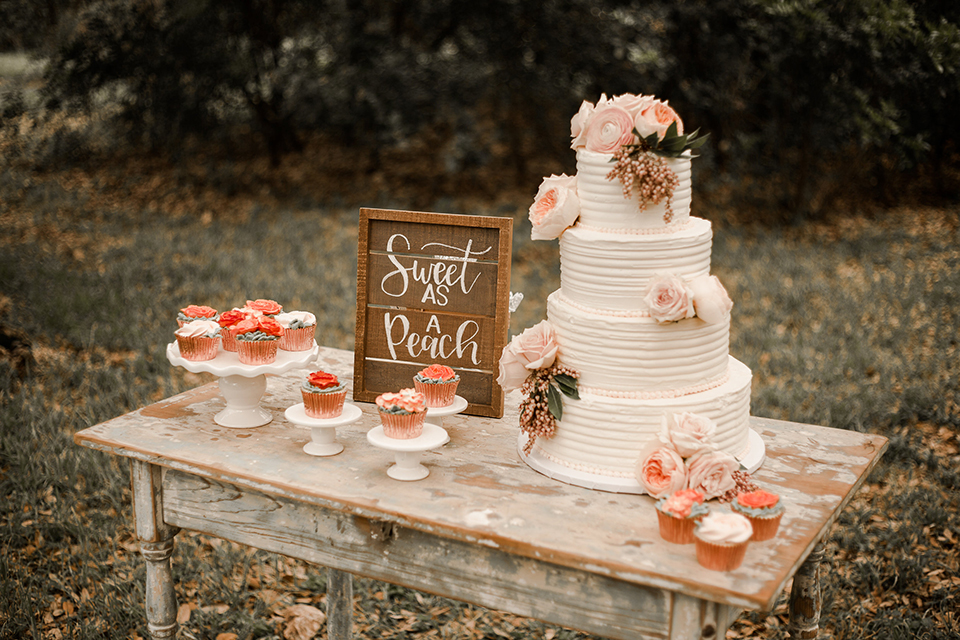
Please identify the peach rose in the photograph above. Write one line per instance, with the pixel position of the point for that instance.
(710, 300)
(270, 326)
(535, 348)
(578, 124)
(669, 299)
(409, 400)
(266, 307)
(661, 471)
(438, 372)
(323, 380)
(633, 104)
(657, 118)
(198, 311)
(231, 318)
(711, 473)
(758, 499)
(555, 208)
(610, 127)
(688, 433)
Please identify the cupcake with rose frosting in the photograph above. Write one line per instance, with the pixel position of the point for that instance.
(263, 307)
(198, 340)
(257, 340)
(678, 513)
(438, 384)
(299, 328)
(323, 395)
(402, 413)
(721, 540)
(764, 511)
(195, 312)
(228, 320)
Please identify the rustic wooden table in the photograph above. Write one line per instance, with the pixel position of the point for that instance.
(482, 527)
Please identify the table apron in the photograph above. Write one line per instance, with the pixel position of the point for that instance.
(471, 572)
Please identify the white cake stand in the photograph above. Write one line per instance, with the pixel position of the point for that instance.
(242, 385)
(323, 431)
(435, 415)
(407, 452)
(751, 460)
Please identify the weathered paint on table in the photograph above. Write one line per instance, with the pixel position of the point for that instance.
(483, 527)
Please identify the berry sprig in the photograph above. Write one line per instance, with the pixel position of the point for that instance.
(543, 403)
(745, 484)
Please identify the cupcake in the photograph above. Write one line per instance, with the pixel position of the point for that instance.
(763, 509)
(438, 384)
(261, 307)
(197, 340)
(299, 328)
(678, 513)
(323, 395)
(721, 540)
(257, 340)
(402, 413)
(228, 320)
(194, 312)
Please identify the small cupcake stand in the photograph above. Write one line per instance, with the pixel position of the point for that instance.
(242, 385)
(323, 431)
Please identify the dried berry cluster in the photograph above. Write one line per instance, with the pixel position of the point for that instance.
(542, 406)
(648, 173)
(745, 484)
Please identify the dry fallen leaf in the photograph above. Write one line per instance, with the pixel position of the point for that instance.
(226, 636)
(303, 622)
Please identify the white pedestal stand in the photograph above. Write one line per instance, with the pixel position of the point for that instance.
(407, 452)
(323, 431)
(435, 415)
(242, 385)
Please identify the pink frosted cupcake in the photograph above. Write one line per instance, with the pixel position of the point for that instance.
(323, 395)
(402, 414)
(678, 514)
(299, 328)
(262, 307)
(228, 320)
(722, 540)
(194, 312)
(198, 340)
(257, 340)
(438, 384)
(764, 511)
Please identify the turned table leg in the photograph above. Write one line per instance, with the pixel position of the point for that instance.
(156, 545)
(339, 605)
(806, 599)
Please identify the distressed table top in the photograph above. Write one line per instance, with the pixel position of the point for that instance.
(480, 492)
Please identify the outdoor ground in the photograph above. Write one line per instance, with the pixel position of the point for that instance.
(851, 322)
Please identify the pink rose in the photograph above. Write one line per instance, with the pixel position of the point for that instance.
(660, 470)
(578, 124)
(657, 118)
(610, 127)
(555, 208)
(535, 348)
(711, 473)
(688, 433)
(633, 104)
(669, 299)
(710, 300)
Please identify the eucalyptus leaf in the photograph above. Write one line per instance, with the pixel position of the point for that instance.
(554, 402)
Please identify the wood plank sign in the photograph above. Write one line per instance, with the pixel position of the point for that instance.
(432, 288)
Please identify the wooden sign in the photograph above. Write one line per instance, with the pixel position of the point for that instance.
(432, 288)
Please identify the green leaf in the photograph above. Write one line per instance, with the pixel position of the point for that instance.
(554, 402)
(671, 130)
(696, 144)
(568, 385)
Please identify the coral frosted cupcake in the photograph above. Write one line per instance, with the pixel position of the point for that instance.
(678, 514)
(323, 395)
(257, 340)
(198, 340)
(195, 312)
(299, 328)
(721, 540)
(402, 413)
(764, 511)
(228, 320)
(438, 384)
(261, 307)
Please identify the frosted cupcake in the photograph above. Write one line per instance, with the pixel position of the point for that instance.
(228, 320)
(722, 540)
(257, 340)
(195, 312)
(764, 511)
(402, 413)
(261, 307)
(299, 328)
(197, 340)
(678, 514)
(438, 384)
(323, 395)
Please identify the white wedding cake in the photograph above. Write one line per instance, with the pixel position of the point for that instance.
(638, 321)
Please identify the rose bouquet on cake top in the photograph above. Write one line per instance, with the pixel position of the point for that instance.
(528, 362)
(438, 384)
(299, 328)
(195, 312)
(323, 395)
(257, 339)
(402, 413)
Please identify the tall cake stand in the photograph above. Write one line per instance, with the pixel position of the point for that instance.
(242, 385)
(407, 452)
(323, 431)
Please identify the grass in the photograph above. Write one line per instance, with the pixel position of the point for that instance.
(852, 324)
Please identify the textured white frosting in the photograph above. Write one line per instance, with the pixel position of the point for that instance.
(724, 528)
(611, 271)
(639, 354)
(286, 318)
(602, 203)
(198, 329)
(605, 435)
